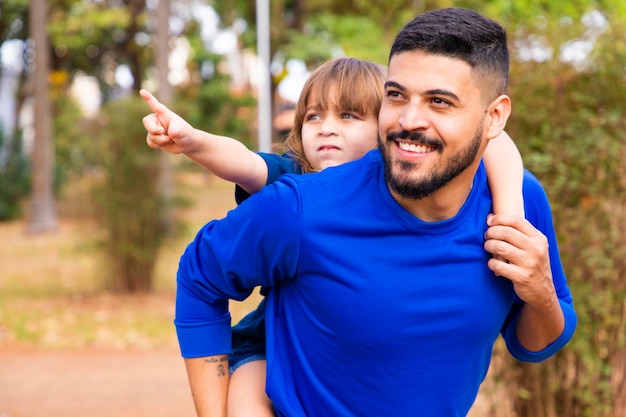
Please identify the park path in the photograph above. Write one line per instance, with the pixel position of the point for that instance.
(93, 383)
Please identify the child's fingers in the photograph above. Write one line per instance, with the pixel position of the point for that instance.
(158, 141)
(152, 125)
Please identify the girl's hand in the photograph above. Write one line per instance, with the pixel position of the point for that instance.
(166, 129)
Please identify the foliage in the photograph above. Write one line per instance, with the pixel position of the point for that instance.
(96, 37)
(74, 153)
(211, 105)
(13, 20)
(131, 203)
(15, 176)
(75, 150)
(82, 32)
(219, 111)
(570, 125)
(346, 35)
(388, 15)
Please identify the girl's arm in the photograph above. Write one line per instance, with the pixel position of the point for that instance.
(505, 173)
(223, 156)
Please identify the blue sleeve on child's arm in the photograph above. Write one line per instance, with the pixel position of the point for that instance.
(277, 165)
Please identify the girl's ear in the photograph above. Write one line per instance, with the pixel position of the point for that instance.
(497, 115)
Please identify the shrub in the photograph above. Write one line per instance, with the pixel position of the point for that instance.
(133, 209)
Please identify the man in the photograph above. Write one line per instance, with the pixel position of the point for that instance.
(390, 282)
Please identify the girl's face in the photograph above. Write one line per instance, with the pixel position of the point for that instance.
(333, 136)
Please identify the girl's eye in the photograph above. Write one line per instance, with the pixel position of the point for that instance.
(312, 116)
(349, 116)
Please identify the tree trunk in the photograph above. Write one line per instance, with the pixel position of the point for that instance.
(166, 95)
(43, 216)
(129, 48)
(618, 382)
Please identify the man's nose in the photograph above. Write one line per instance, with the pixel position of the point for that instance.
(414, 117)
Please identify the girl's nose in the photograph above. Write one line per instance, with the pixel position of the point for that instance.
(328, 126)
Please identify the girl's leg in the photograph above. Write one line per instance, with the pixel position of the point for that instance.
(246, 391)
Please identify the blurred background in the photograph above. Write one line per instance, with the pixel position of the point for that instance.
(92, 221)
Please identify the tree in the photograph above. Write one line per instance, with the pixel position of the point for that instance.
(43, 216)
(166, 94)
(129, 201)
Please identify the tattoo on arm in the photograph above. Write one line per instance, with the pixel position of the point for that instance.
(221, 368)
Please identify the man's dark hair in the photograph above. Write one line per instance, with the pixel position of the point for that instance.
(462, 34)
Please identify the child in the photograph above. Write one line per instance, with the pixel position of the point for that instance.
(335, 122)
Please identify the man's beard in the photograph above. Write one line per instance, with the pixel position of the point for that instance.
(398, 178)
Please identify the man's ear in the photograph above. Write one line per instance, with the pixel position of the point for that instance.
(497, 115)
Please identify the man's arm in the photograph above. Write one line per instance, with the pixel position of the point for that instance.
(225, 157)
(208, 380)
(211, 271)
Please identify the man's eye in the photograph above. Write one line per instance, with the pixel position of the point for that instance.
(440, 102)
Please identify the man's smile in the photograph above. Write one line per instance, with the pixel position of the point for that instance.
(414, 147)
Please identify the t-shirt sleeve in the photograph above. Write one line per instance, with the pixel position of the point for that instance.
(258, 243)
(539, 214)
(277, 165)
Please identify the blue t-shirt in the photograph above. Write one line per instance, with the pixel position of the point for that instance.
(372, 311)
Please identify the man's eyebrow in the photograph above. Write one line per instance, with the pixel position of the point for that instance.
(433, 92)
(442, 92)
(394, 84)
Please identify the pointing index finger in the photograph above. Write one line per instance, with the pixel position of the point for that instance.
(155, 105)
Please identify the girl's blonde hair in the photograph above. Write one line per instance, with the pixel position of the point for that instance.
(358, 88)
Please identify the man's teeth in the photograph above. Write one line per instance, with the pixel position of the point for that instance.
(412, 147)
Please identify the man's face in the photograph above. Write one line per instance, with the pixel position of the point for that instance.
(431, 123)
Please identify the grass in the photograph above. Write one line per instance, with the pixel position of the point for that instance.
(51, 284)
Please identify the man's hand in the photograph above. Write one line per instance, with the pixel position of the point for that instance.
(166, 129)
(521, 255)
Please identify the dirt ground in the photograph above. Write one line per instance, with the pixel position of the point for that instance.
(103, 384)
(93, 383)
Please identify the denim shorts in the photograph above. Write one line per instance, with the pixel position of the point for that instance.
(249, 338)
